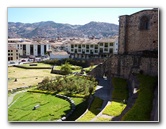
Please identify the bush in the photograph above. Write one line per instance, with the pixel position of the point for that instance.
(69, 85)
(81, 63)
(66, 68)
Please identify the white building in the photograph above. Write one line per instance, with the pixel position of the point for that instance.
(28, 47)
(93, 48)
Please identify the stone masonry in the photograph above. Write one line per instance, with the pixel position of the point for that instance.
(139, 31)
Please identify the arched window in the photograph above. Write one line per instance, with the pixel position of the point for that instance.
(144, 23)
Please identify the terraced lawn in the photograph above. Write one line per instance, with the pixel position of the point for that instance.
(51, 108)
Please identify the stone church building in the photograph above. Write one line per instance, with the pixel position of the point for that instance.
(138, 47)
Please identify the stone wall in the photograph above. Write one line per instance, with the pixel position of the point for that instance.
(125, 65)
(132, 38)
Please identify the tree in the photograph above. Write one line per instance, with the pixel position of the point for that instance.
(66, 68)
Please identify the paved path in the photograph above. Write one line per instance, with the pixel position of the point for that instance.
(103, 91)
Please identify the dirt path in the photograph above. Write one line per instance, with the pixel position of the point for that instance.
(11, 97)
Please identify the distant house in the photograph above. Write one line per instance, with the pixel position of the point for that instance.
(59, 55)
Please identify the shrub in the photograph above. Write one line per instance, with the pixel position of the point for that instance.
(66, 68)
(69, 85)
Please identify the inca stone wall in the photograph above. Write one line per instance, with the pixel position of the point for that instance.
(124, 65)
(133, 37)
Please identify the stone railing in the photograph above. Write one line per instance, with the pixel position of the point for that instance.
(71, 103)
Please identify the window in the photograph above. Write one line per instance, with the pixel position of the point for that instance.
(96, 46)
(96, 51)
(106, 44)
(111, 50)
(79, 50)
(101, 44)
(87, 46)
(72, 46)
(144, 23)
(111, 44)
(106, 49)
(101, 50)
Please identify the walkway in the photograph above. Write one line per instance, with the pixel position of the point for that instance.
(11, 97)
(103, 91)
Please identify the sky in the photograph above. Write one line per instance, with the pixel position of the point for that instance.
(74, 16)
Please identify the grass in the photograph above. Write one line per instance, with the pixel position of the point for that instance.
(120, 91)
(141, 109)
(114, 109)
(51, 108)
(81, 106)
(102, 119)
(26, 77)
(90, 67)
(93, 111)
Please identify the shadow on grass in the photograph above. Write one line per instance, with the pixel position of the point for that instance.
(79, 110)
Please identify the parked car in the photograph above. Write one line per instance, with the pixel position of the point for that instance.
(23, 60)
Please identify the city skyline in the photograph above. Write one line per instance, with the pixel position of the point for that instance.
(73, 16)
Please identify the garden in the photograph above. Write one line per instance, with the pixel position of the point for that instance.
(52, 108)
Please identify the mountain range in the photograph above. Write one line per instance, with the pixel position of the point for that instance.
(50, 29)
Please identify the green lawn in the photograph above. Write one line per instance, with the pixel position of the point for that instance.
(120, 90)
(114, 109)
(51, 108)
(93, 111)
